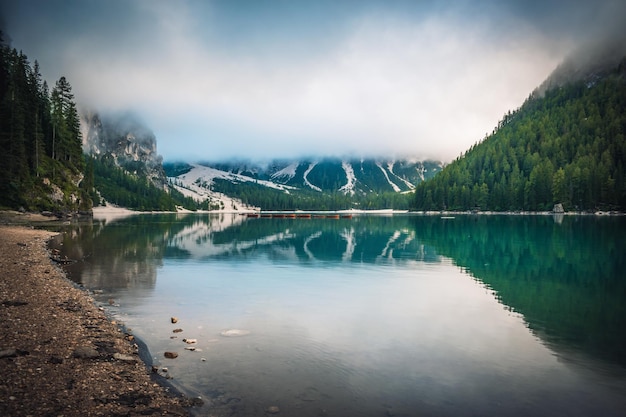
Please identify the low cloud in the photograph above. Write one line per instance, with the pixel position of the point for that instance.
(389, 88)
(381, 84)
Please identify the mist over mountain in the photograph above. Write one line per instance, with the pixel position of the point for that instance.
(570, 141)
(123, 137)
(564, 148)
(590, 61)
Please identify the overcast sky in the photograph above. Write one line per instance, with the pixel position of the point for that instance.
(264, 79)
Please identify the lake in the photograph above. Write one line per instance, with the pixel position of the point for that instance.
(402, 315)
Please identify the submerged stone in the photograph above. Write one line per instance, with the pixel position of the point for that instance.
(193, 349)
(235, 333)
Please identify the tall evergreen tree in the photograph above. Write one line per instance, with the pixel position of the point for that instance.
(66, 136)
(39, 137)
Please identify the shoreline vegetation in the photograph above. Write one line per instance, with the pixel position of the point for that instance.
(59, 352)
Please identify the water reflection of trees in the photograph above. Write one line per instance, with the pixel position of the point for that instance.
(121, 254)
(567, 278)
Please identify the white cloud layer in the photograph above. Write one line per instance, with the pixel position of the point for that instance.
(384, 84)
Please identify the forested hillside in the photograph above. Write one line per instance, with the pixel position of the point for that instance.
(271, 199)
(41, 160)
(118, 186)
(567, 146)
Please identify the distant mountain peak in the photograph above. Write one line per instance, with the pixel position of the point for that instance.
(326, 176)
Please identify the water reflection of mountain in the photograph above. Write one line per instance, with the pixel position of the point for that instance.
(361, 239)
(125, 253)
(567, 278)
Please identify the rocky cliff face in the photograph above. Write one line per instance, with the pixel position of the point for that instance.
(127, 140)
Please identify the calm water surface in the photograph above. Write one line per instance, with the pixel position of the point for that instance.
(372, 316)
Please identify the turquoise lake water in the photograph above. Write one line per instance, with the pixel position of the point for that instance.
(401, 315)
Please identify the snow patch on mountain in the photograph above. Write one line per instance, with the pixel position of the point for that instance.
(421, 172)
(306, 180)
(322, 175)
(393, 185)
(351, 178)
(286, 173)
(198, 182)
(408, 183)
(207, 175)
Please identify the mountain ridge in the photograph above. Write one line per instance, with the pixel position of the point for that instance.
(300, 179)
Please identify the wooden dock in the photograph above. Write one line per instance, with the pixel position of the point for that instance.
(297, 215)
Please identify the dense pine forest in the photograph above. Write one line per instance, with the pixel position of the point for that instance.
(42, 159)
(567, 146)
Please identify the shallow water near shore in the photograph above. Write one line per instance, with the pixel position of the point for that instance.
(374, 315)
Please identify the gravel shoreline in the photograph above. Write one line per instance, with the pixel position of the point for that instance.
(59, 354)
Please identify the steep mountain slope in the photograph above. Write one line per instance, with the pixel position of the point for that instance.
(132, 145)
(350, 176)
(325, 183)
(122, 155)
(566, 144)
(197, 182)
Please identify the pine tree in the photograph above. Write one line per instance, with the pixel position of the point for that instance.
(39, 137)
(67, 143)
